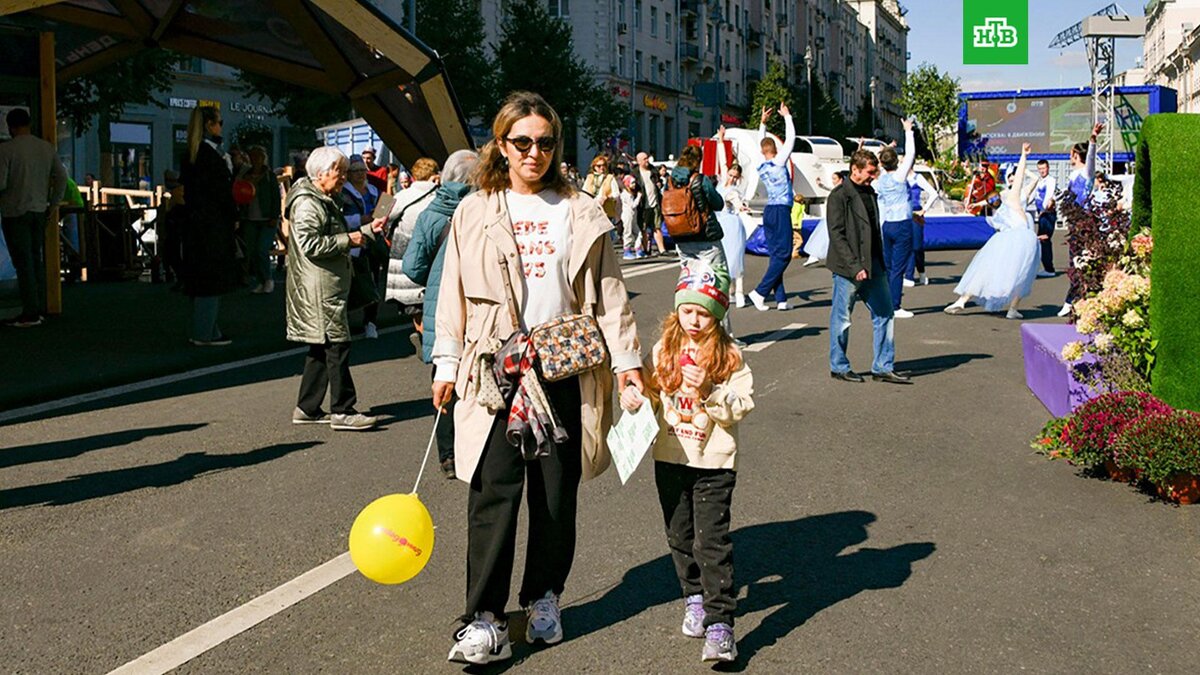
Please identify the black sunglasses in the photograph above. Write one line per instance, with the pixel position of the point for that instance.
(524, 143)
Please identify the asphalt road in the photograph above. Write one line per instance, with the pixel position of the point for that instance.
(878, 528)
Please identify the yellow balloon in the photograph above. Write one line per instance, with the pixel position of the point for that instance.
(392, 539)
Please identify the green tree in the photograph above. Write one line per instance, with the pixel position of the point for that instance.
(304, 109)
(932, 97)
(865, 121)
(537, 53)
(454, 29)
(769, 92)
(250, 132)
(100, 98)
(828, 118)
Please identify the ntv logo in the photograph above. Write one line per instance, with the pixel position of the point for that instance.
(995, 32)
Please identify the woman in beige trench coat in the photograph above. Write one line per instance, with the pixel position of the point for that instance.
(555, 246)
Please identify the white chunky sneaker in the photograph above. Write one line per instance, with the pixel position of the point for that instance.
(902, 314)
(759, 301)
(909, 283)
(1066, 309)
(693, 616)
(482, 641)
(544, 620)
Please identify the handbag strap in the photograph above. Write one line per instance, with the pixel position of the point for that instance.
(512, 301)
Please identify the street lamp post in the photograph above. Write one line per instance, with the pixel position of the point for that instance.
(808, 64)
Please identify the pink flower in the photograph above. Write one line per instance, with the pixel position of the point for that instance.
(1143, 244)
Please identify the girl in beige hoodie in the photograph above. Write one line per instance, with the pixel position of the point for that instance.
(700, 388)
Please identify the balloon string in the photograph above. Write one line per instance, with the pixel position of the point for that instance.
(432, 438)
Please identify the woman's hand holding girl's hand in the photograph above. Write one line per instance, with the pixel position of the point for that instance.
(696, 379)
(631, 399)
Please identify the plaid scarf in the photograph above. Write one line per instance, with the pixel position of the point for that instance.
(531, 414)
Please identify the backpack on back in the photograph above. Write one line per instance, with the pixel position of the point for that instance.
(682, 215)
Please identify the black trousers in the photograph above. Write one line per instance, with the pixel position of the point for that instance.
(327, 366)
(1045, 228)
(494, 502)
(696, 510)
(25, 236)
(445, 429)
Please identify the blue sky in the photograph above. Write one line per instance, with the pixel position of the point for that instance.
(935, 36)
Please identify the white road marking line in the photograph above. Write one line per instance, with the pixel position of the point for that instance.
(760, 345)
(650, 269)
(203, 638)
(49, 406)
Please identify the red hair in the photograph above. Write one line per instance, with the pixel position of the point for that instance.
(715, 353)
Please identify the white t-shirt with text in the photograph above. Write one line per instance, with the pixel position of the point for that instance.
(542, 226)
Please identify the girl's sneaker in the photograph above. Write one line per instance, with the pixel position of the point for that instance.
(693, 616)
(628, 254)
(481, 641)
(719, 644)
(545, 620)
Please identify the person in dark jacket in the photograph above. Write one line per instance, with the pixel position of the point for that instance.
(318, 290)
(260, 219)
(423, 265)
(209, 252)
(705, 246)
(859, 273)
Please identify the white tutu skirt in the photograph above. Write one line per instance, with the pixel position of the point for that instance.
(1005, 267)
(817, 245)
(733, 241)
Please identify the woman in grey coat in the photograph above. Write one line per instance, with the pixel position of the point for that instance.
(318, 286)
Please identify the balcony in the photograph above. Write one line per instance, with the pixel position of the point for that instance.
(689, 51)
(754, 37)
(689, 7)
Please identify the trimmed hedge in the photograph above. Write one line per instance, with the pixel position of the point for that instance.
(1165, 198)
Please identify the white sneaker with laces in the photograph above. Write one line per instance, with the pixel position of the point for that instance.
(902, 314)
(1066, 309)
(544, 620)
(482, 641)
(759, 301)
(370, 331)
(909, 283)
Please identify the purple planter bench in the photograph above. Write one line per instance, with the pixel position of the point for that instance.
(1048, 377)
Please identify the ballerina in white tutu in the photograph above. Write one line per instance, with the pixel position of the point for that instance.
(817, 246)
(733, 189)
(1002, 272)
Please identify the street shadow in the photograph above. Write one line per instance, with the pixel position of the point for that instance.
(795, 569)
(107, 483)
(936, 364)
(401, 411)
(807, 331)
(55, 450)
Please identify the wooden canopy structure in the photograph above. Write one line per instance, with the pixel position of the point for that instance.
(347, 47)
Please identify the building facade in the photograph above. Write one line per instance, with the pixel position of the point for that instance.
(1171, 47)
(686, 66)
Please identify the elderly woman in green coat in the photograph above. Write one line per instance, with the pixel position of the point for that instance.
(318, 286)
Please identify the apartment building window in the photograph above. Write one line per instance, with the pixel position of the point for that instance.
(637, 14)
(654, 69)
(560, 8)
(653, 22)
(667, 26)
(637, 64)
(709, 37)
(621, 60)
(620, 11)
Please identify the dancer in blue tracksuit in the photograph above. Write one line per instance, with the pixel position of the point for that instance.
(1083, 175)
(895, 213)
(776, 176)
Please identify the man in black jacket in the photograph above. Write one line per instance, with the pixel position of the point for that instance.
(859, 273)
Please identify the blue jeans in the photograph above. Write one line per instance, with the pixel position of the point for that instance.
(777, 226)
(897, 255)
(260, 239)
(874, 292)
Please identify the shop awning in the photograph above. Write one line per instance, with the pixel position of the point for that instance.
(347, 47)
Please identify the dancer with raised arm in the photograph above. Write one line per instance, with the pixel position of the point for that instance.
(1079, 183)
(1004, 269)
(776, 176)
(895, 213)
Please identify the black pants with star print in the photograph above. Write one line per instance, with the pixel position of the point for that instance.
(696, 510)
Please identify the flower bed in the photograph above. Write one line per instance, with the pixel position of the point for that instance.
(1131, 436)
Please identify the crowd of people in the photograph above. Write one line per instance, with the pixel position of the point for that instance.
(507, 261)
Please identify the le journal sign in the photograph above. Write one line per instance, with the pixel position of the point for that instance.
(254, 109)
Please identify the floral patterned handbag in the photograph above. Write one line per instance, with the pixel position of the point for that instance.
(566, 345)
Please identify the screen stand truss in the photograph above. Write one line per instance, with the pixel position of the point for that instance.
(1101, 52)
